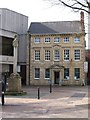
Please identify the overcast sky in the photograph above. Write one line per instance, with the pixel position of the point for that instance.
(40, 10)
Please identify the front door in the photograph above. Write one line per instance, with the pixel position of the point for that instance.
(56, 77)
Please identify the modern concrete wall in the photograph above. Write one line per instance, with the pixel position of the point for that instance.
(13, 21)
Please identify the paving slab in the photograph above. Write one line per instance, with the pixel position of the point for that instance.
(63, 102)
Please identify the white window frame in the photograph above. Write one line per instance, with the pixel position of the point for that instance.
(77, 55)
(56, 55)
(37, 40)
(47, 55)
(56, 40)
(47, 40)
(66, 39)
(47, 73)
(66, 55)
(37, 55)
(36, 73)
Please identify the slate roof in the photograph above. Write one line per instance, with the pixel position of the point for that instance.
(60, 27)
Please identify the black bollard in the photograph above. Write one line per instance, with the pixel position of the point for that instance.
(2, 98)
(50, 88)
(38, 93)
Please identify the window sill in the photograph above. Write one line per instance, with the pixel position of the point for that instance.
(76, 79)
(36, 78)
(66, 79)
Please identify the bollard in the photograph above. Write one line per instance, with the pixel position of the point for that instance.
(50, 88)
(2, 98)
(38, 93)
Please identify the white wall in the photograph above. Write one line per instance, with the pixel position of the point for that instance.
(89, 31)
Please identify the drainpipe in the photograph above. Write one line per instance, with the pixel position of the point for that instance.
(28, 50)
(29, 55)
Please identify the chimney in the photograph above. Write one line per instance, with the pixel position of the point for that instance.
(82, 21)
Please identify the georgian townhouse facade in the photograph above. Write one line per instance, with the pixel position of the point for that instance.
(56, 53)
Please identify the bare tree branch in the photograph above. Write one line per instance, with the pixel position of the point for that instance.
(76, 5)
(82, 6)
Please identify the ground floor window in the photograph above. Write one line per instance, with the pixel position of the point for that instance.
(76, 73)
(37, 73)
(47, 73)
(66, 73)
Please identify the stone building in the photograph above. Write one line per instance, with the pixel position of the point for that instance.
(56, 53)
(12, 23)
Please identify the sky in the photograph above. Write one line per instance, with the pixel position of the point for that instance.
(41, 10)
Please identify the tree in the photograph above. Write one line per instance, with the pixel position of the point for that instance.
(77, 5)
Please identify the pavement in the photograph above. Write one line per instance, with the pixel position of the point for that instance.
(62, 102)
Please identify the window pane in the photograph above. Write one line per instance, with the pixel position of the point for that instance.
(47, 54)
(77, 54)
(37, 54)
(37, 72)
(56, 40)
(66, 54)
(66, 39)
(56, 55)
(76, 40)
(76, 73)
(47, 73)
(47, 40)
(66, 73)
(37, 40)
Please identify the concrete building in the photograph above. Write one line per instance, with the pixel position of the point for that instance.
(56, 53)
(12, 23)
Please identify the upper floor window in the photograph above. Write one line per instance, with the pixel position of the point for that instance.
(37, 40)
(56, 40)
(47, 54)
(76, 39)
(66, 54)
(76, 73)
(47, 73)
(66, 39)
(37, 73)
(37, 54)
(66, 73)
(47, 40)
(77, 54)
(56, 55)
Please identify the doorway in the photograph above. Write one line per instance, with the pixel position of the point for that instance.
(56, 77)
